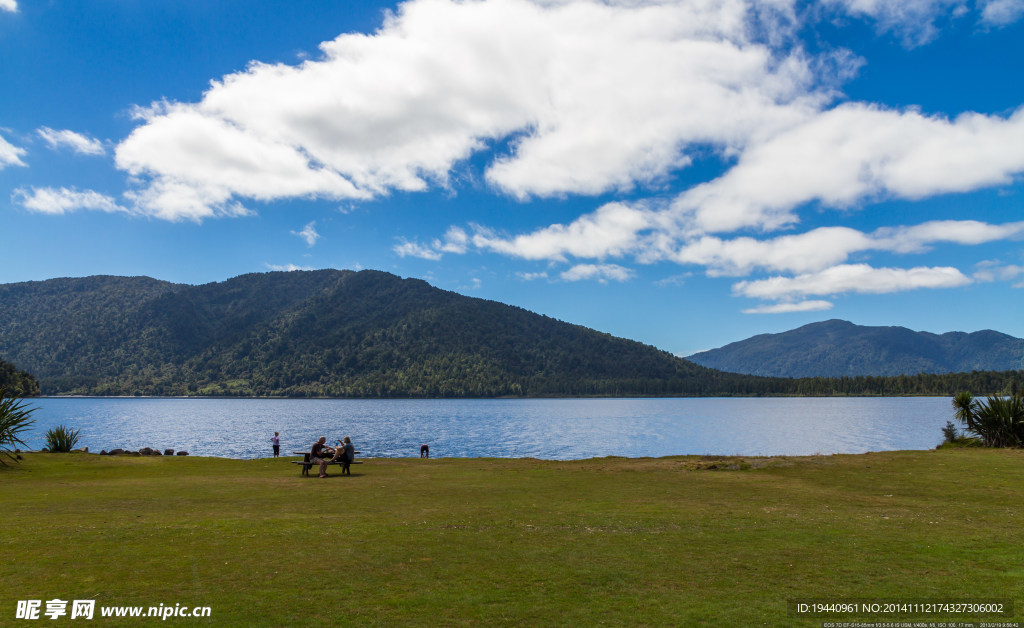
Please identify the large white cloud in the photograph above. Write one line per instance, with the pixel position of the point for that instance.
(594, 95)
(9, 5)
(10, 155)
(585, 97)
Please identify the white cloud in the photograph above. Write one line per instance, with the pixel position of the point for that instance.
(456, 240)
(10, 155)
(59, 201)
(912, 20)
(406, 248)
(77, 142)
(169, 199)
(617, 230)
(9, 5)
(674, 280)
(814, 250)
(286, 267)
(611, 230)
(829, 246)
(308, 234)
(1001, 12)
(995, 271)
(851, 278)
(839, 158)
(443, 79)
(600, 272)
(786, 308)
(916, 238)
(532, 276)
(198, 162)
(855, 152)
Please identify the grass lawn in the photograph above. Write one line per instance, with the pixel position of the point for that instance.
(684, 541)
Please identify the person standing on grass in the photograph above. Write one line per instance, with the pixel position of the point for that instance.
(276, 442)
(424, 450)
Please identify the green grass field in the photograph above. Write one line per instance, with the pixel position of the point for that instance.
(617, 542)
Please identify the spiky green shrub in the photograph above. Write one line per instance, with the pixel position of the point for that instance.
(61, 439)
(998, 421)
(15, 418)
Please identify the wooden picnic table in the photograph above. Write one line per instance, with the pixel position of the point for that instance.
(306, 464)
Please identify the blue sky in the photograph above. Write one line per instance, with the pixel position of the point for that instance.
(685, 174)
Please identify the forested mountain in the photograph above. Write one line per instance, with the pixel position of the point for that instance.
(321, 333)
(17, 383)
(838, 348)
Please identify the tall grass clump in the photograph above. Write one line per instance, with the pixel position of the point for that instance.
(15, 417)
(997, 421)
(61, 439)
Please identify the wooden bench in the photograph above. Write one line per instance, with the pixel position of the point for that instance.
(306, 464)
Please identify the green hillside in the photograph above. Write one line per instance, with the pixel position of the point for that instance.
(321, 333)
(17, 383)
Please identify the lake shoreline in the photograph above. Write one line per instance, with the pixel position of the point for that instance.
(507, 397)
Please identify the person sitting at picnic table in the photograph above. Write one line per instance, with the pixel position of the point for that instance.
(345, 454)
(318, 454)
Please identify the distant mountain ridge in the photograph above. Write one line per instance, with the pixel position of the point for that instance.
(321, 333)
(837, 348)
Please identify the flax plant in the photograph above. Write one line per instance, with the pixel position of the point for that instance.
(15, 418)
(998, 421)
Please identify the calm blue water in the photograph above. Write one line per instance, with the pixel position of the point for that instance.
(540, 428)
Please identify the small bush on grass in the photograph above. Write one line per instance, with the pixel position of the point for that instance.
(950, 432)
(61, 439)
(952, 437)
(15, 417)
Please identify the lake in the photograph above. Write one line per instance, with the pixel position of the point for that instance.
(557, 429)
